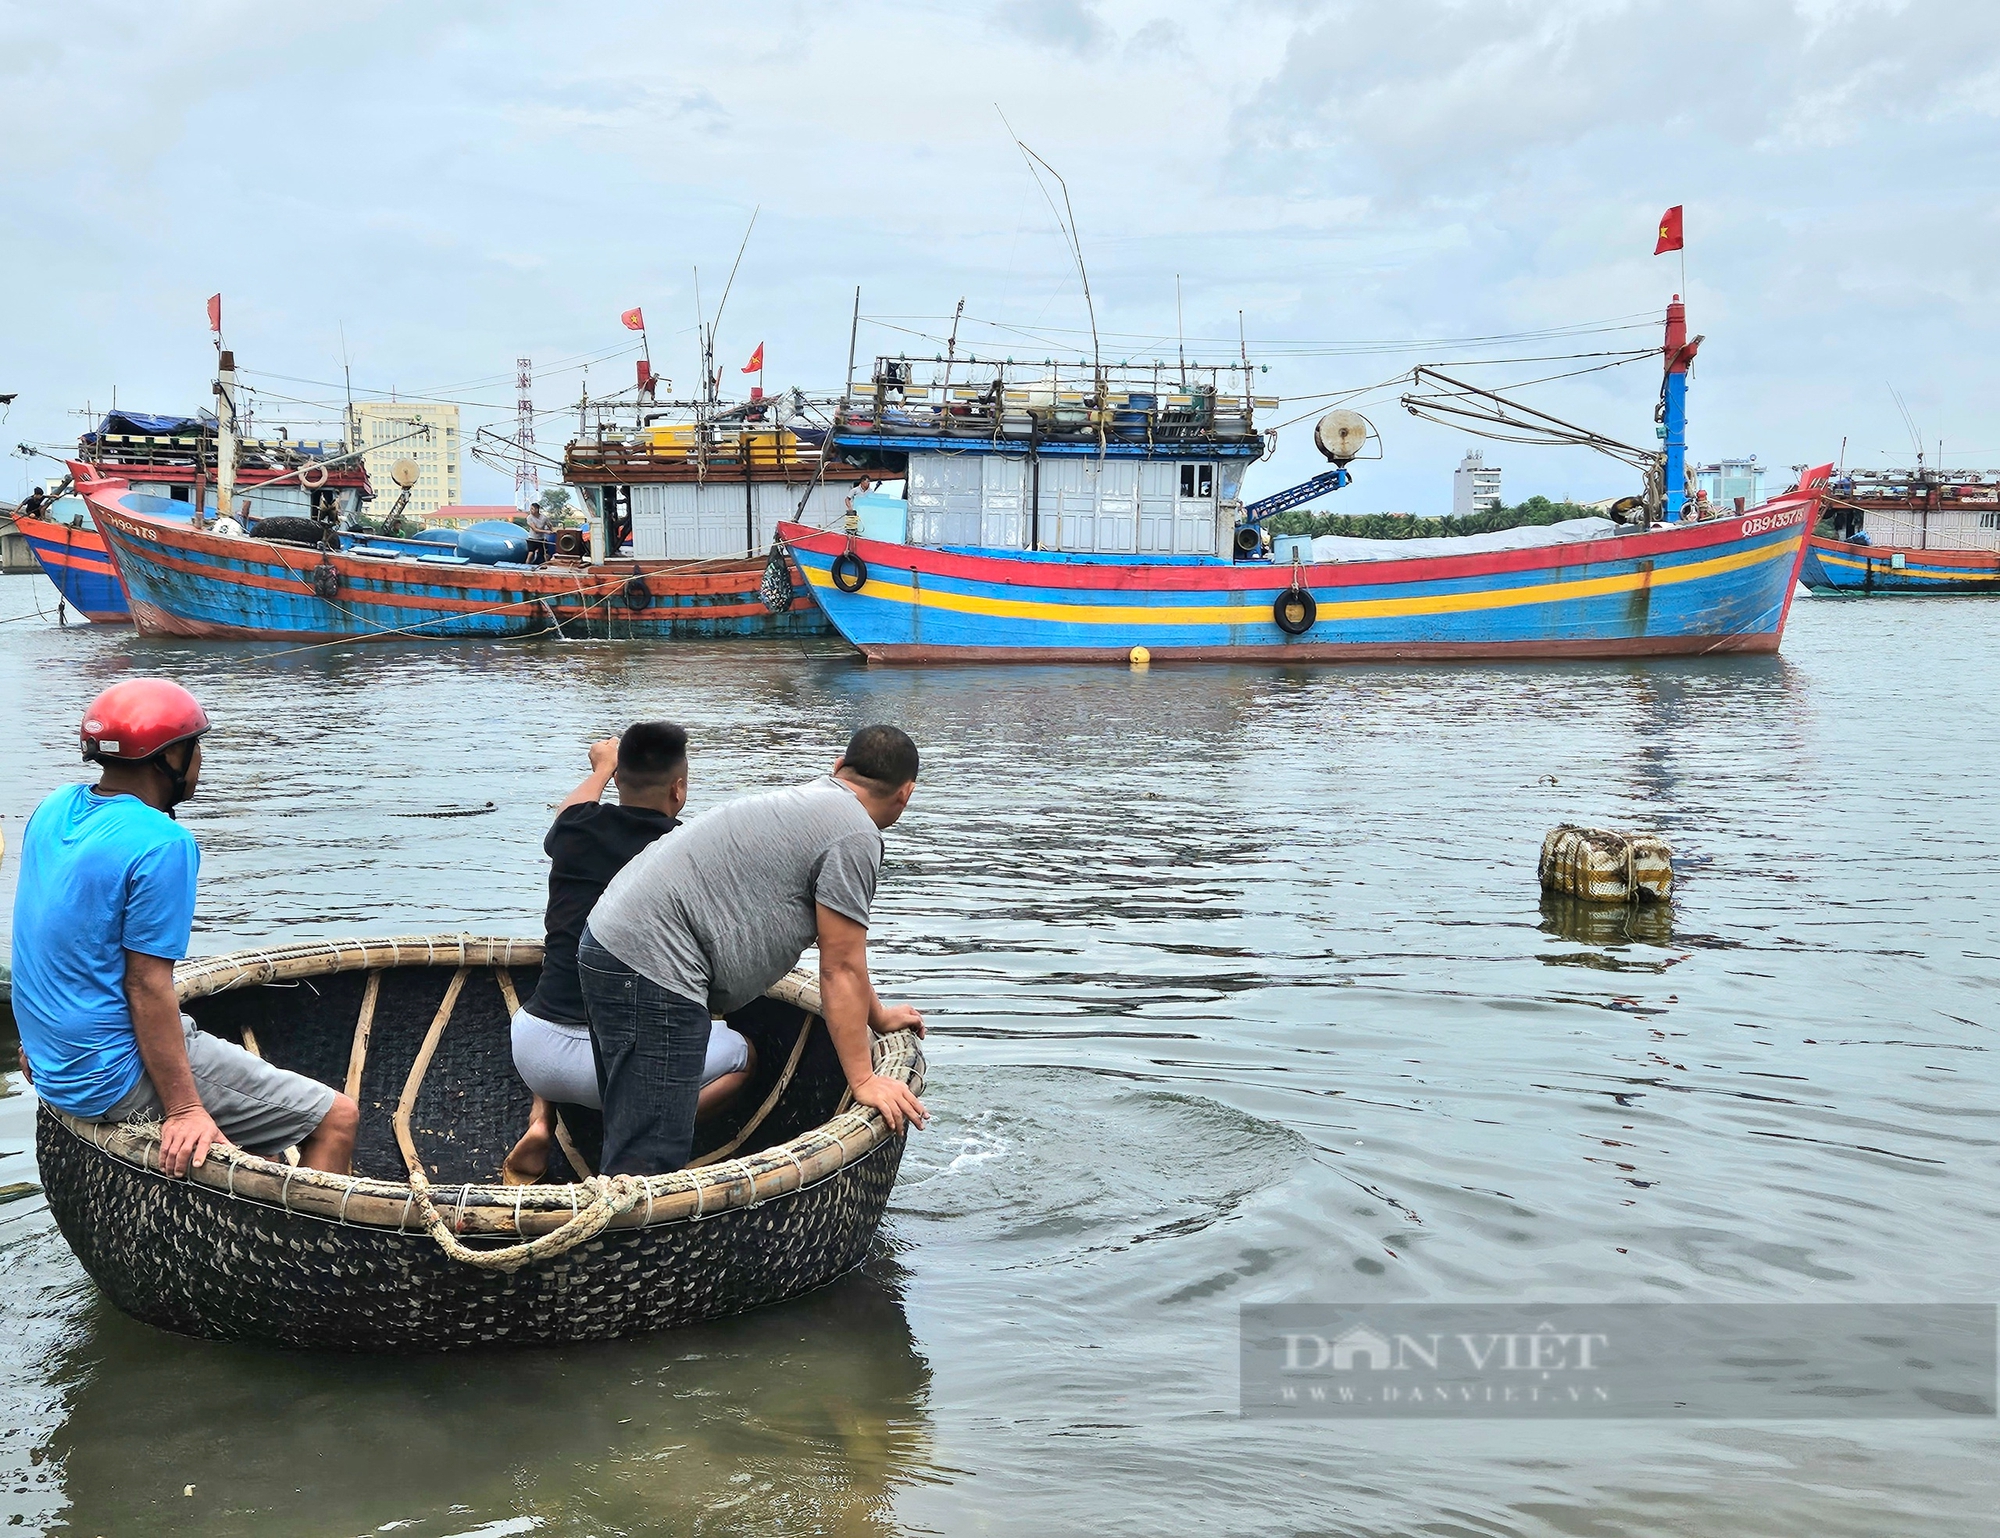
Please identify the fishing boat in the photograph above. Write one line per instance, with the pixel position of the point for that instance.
(363, 587)
(651, 566)
(422, 1248)
(1682, 589)
(1093, 519)
(1908, 531)
(71, 554)
(174, 459)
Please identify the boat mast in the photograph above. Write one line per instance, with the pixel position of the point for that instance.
(1678, 356)
(225, 432)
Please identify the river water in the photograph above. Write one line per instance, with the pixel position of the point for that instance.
(1241, 993)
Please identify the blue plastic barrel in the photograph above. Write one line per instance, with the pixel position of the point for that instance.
(1129, 420)
(485, 543)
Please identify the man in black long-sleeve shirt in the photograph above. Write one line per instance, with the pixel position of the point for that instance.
(589, 843)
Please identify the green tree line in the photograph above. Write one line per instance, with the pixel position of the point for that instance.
(1531, 513)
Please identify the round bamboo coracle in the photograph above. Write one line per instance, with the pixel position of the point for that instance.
(423, 1248)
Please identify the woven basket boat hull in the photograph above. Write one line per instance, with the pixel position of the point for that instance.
(251, 1249)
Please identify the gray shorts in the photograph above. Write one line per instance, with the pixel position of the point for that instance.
(258, 1105)
(555, 1060)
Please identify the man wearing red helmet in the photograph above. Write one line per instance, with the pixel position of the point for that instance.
(103, 909)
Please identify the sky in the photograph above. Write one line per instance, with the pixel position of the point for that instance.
(429, 191)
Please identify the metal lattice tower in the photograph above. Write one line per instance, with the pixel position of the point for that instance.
(527, 480)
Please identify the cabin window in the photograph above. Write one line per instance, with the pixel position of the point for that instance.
(1989, 520)
(178, 493)
(1197, 480)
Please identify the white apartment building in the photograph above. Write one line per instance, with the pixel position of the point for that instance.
(1475, 486)
(387, 431)
(1728, 480)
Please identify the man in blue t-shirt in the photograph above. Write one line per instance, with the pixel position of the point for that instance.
(103, 909)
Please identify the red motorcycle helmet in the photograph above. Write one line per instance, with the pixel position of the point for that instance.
(140, 717)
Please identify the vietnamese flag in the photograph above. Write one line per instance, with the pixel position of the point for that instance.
(632, 320)
(756, 363)
(215, 314)
(1670, 231)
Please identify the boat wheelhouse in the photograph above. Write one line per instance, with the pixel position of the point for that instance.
(177, 458)
(694, 481)
(1117, 460)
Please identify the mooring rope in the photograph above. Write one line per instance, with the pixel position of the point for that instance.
(610, 1197)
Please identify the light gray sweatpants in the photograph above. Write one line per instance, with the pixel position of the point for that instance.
(555, 1061)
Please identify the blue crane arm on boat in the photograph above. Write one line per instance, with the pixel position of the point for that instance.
(1296, 496)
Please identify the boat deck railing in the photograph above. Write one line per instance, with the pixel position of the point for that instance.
(1161, 402)
(191, 450)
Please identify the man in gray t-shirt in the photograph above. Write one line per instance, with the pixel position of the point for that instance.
(702, 923)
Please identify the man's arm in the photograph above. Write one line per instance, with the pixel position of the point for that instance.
(884, 1018)
(603, 759)
(848, 1002)
(156, 1019)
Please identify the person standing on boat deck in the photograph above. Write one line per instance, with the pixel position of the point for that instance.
(103, 910)
(589, 843)
(541, 528)
(704, 922)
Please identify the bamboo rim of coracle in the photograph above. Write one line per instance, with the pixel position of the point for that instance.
(475, 1210)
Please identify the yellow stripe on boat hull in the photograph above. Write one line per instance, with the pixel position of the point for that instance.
(1329, 608)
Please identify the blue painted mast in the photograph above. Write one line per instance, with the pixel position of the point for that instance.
(1673, 394)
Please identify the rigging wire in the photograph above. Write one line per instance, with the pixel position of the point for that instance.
(1488, 414)
(561, 366)
(1295, 348)
(1409, 376)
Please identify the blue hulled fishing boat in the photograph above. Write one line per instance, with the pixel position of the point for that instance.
(1096, 520)
(1908, 531)
(71, 553)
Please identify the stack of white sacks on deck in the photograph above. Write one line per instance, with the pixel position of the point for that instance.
(1334, 547)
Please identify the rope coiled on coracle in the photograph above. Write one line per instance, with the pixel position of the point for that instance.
(611, 1196)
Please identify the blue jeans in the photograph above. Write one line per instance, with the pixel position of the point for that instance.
(650, 1046)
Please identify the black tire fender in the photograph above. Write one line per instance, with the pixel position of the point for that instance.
(850, 572)
(1294, 610)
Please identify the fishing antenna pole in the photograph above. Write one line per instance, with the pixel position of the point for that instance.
(347, 375)
(702, 340)
(737, 263)
(951, 344)
(1068, 227)
(716, 324)
(1910, 423)
(1180, 330)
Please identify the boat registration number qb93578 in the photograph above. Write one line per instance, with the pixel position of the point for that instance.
(1784, 520)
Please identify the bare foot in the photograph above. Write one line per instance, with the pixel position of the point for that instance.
(529, 1160)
